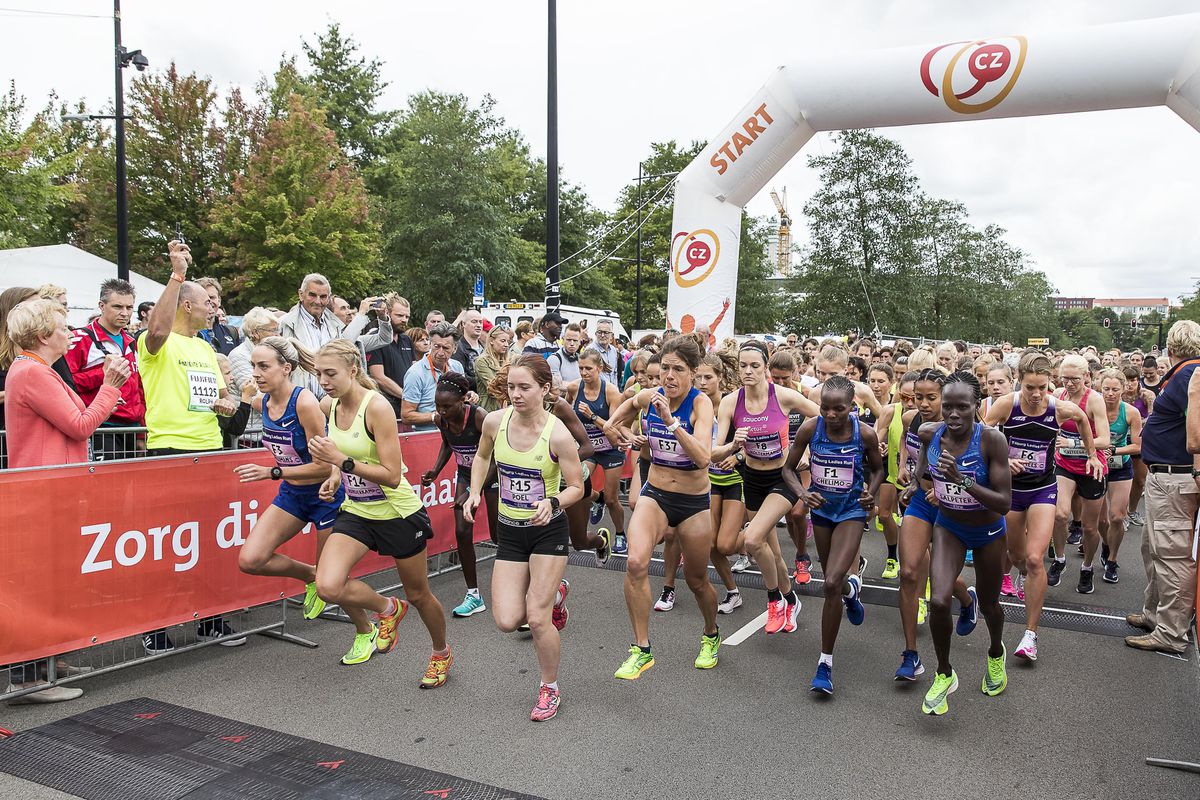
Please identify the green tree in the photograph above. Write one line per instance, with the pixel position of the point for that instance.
(1188, 308)
(760, 302)
(36, 160)
(297, 209)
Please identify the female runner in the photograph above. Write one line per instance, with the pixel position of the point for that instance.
(889, 429)
(1125, 428)
(715, 378)
(593, 400)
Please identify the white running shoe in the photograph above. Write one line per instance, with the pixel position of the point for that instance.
(1027, 650)
(732, 600)
(742, 564)
(666, 600)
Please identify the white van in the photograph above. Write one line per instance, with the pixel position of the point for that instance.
(508, 315)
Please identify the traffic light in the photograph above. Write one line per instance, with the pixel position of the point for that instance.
(1106, 322)
(1133, 323)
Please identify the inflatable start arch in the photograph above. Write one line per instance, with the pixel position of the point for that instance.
(1129, 65)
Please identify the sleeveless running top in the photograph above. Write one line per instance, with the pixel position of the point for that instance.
(912, 442)
(951, 496)
(895, 438)
(866, 415)
(285, 436)
(599, 407)
(1073, 458)
(837, 467)
(365, 498)
(665, 450)
(1031, 439)
(765, 431)
(465, 444)
(1119, 431)
(1140, 405)
(718, 476)
(526, 476)
(795, 419)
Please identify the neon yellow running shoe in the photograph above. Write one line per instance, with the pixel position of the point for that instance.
(922, 610)
(709, 645)
(638, 662)
(935, 699)
(313, 604)
(891, 569)
(996, 678)
(362, 649)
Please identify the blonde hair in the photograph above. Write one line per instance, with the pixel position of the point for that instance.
(1183, 339)
(30, 321)
(923, 358)
(291, 352)
(50, 291)
(523, 327)
(1114, 374)
(210, 283)
(1072, 360)
(348, 353)
(255, 320)
(834, 354)
(391, 298)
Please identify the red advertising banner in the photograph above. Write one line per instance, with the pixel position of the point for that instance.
(94, 553)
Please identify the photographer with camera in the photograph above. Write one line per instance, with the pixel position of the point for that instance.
(389, 364)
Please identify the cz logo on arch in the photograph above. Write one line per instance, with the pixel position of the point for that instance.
(694, 256)
(978, 75)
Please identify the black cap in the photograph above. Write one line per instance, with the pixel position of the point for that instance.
(554, 316)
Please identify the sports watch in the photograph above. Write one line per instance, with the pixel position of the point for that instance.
(276, 473)
(348, 465)
(967, 482)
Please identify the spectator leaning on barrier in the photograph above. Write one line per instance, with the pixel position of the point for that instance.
(222, 337)
(48, 422)
(420, 384)
(564, 362)
(546, 341)
(1172, 496)
(93, 344)
(313, 323)
(185, 392)
(389, 364)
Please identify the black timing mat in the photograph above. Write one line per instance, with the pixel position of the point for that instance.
(148, 750)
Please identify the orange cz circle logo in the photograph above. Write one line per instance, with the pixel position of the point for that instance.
(972, 70)
(695, 256)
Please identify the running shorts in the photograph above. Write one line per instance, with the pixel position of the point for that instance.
(305, 503)
(973, 537)
(920, 507)
(609, 459)
(519, 542)
(832, 512)
(678, 506)
(399, 537)
(1089, 488)
(1125, 473)
(759, 483)
(730, 493)
(1023, 499)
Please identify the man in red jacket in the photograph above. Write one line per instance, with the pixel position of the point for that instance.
(106, 336)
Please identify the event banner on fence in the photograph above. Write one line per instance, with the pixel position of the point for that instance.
(90, 554)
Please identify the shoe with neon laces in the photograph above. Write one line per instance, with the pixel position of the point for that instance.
(922, 610)
(597, 512)
(709, 645)
(803, 574)
(547, 704)
(362, 649)
(559, 613)
(666, 601)
(935, 699)
(855, 612)
(732, 600)
(604, 550)
(792, 613)
(822, 682)
(1007, 589)
(996, 678)
(776, 615)
(968, 616)
(891, 569)
(620, 545)
(471, 604)
(313, 604)
(910, 666)
(741, 564)
(1027, 649)
(437, 671)
(639, 661)
(386, 640)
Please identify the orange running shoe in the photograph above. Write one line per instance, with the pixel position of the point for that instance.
(387, 626)
(776, 615)
(802, 575)
(437, 671)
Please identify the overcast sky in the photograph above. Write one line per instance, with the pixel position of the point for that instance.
(1106, 203)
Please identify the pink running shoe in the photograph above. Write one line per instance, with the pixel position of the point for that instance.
(547, 704)
(1027, 649)
(776, 615)
(1021, 588)
(559, 614)
(1007, 588)
(793, 611)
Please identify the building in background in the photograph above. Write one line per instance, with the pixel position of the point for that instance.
(1073, 303)
(1134, 306)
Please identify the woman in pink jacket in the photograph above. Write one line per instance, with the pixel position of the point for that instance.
(47, 422)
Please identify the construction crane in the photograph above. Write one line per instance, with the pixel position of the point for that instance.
(783, 243)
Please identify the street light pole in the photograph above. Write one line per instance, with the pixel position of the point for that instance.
(637, 316)
(122, 200)
(553, 297)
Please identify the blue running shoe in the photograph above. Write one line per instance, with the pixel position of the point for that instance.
(910, 667)
(597, 510)
(620, 546)
(823, 681)
(970, 559)
(854, 607)
(469, 606)
(969, 616)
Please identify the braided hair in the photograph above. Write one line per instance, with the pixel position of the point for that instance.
(454, 383)
(967, 377)
(933, 375)
(838, 383)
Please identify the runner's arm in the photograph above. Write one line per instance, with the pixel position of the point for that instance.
(562, 410)
(1134, 447)
(308, 410)
(997, 497)
(791, 476)
(724, 426)
(874, 461)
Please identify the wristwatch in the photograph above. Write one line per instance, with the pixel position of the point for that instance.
(554, 503)
(348, 465)
(674, 426)
(276, 473)
(967, 482)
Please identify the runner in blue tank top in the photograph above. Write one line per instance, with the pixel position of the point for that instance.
(973, 484)
(840, 447)
(291, 416)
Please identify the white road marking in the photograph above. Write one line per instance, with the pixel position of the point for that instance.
(746, 631)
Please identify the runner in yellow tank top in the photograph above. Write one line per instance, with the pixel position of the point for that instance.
(381, 511)
(533, 450)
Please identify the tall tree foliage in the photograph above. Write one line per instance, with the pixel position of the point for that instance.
(36, 161)
(299, 208)
(348, 87)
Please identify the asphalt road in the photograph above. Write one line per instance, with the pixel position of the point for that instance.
(1078, 724)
